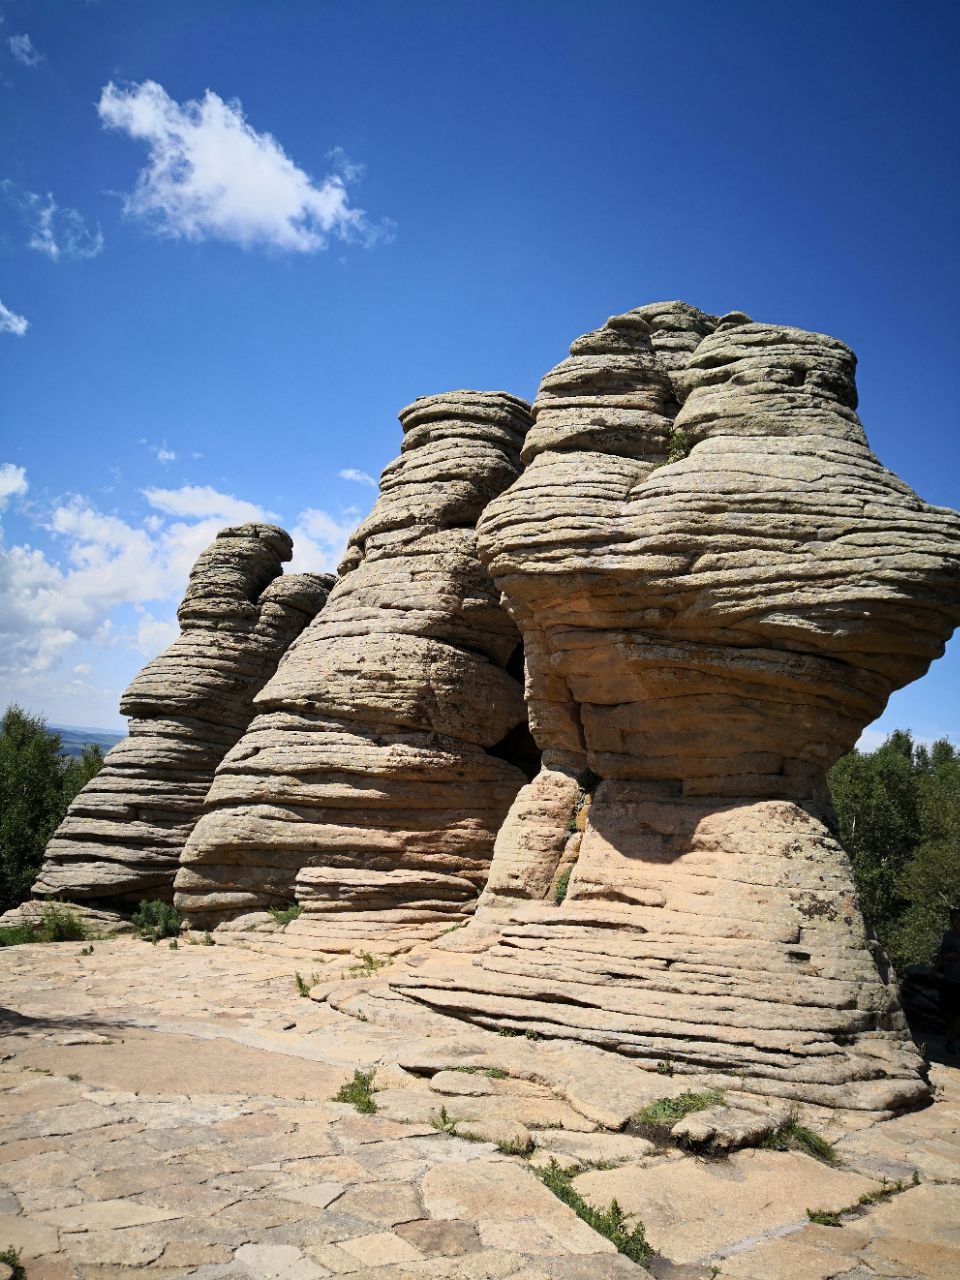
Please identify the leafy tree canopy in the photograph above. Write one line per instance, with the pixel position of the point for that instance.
(898, 810)
(36, 785)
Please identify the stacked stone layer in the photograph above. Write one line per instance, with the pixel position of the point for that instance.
(368, 787)
(122, 836)
(718, 586)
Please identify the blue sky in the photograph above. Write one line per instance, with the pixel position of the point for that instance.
(423, 196)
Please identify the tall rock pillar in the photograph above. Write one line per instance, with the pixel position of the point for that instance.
(718, 586)
(122, 836)
(385, 751)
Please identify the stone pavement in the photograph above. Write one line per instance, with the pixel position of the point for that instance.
(169, 1110)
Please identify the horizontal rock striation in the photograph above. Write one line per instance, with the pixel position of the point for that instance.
(372, 782)
(718, 586)
(122, 836)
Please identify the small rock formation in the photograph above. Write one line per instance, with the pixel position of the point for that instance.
(718, 586)
(122, 836)
(384, 755)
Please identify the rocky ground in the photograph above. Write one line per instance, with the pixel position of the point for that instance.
(170, 1110)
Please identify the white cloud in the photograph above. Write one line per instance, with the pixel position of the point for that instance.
(165, 455)
(10, 322)
(198, 501)
(52, 230)
(113, 584)
(358, 477)
(22, 48)
(210, 175)
(13, 482)
(49, 603)
(154, 634)
(319, 541)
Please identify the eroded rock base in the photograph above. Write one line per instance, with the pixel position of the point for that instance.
(720, 939)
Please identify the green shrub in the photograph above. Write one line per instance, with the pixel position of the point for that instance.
(16, 935)
(824, 1218)
(56, 924)
(283, 915)
(358, 1092)
(155, 920)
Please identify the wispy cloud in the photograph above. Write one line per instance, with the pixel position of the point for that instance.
(22, 48)
(210, 175)
(52, 230)
(10, 322)
(358, 477)
(160, 451)
(203, 501)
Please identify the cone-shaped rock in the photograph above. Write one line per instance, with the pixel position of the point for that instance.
(718, 586)
(372, 782)
(122, 836)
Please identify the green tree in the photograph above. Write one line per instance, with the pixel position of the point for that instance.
(36, 785)
(898, 811)
(79, 770)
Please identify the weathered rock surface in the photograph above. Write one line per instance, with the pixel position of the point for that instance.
(256, 1170)
(122, 836)
(718, 586)
(372, 782)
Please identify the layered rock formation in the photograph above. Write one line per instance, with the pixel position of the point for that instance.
(122, 836)
(385, 754)
(718, 586)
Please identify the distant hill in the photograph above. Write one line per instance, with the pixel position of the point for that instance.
(75, 737)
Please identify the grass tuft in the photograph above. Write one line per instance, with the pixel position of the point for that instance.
(515, 1146)
(562, 885)
(155, 920)
(492, 1073)
(657, 1119)
(443, 1121)
(794, 1136)
(824, 1218)
(358, 1092)
(12, 1258)
(610, 1222)
(368, 964)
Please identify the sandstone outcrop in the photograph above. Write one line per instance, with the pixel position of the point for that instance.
(386, 749)
(718, 586)
(122, 836)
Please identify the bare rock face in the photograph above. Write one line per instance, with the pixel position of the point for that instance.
(372, 782)
(718, 585)
(122, 836)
